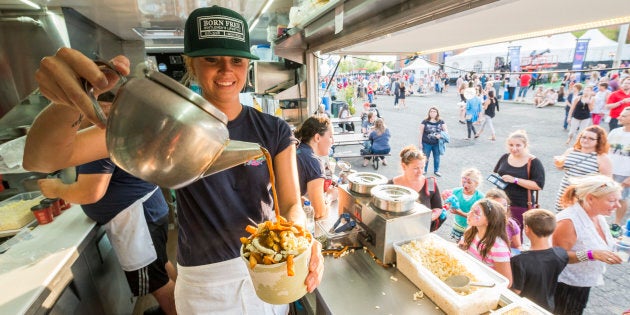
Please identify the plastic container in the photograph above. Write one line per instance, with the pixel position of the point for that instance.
(310, 217)
(15, 212)
(43, 213)
(622, 250)
(522, 307)
(479, 301)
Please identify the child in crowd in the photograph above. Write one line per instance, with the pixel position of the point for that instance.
(466, 196)
(535, 271)
(511, 228)
(485, 238)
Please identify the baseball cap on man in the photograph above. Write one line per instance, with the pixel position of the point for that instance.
(216, 31)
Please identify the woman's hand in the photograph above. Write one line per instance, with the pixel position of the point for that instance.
(315, 267)
(607, 256)
(59, 79)
(508, 178)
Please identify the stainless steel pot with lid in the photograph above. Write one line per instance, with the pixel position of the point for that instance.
(362, 182)
(162, 132)
(394, 198)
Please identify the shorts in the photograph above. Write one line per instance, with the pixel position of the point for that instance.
(153, 276)
(625, 192)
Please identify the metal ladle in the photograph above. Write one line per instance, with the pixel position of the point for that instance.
(461, 283)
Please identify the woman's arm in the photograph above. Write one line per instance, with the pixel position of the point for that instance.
(421, 129)
(315, 189)
(605, 164)
(565, 237)
(575, 100)
(285, 169)
(287, 183)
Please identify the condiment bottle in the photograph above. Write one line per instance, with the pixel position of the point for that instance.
(64, 205)
(43, 213)
(54, 205)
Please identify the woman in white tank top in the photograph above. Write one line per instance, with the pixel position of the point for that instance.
(583, 232)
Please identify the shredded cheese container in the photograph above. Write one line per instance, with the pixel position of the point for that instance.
(521, 307)
(479, 300)
(15, 212)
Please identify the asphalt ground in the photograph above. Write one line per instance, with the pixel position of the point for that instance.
(547, 138)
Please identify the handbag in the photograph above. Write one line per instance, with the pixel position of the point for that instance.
(531, 204)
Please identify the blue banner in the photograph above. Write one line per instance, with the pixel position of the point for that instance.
(514, 52)
(578, 58)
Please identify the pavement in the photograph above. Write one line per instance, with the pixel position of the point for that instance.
(547, 138)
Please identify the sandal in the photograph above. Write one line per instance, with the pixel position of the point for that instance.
(492, 138)
(477, 136)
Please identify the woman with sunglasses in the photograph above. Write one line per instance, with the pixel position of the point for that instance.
(589, 155)
(583, 232)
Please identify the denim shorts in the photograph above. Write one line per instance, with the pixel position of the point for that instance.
(625, 192)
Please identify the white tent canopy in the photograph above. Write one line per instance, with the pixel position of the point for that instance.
(561, 46)
(421, 64)
(385, 68)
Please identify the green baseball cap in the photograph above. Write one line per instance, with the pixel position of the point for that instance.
(216, 31)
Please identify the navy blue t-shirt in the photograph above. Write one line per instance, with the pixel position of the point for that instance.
(309, 166)
(123, 190)
(214, 211)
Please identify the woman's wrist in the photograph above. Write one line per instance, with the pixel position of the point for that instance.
(515, 180)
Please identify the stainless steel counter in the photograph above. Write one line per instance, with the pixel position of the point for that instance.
(355, 284)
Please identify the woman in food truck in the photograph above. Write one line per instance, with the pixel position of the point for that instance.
(412, 162)
(316, 139)
(213, 211)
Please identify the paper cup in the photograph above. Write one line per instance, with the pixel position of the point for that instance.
(274, 286)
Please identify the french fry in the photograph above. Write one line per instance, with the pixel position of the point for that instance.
(268, 260)
(252, 261)
(290, 270)
(251, 229)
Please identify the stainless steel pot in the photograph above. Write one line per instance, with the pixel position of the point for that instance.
(363, 182)
(162, 132)
(394, 198)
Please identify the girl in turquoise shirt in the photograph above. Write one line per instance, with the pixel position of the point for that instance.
(462, 200)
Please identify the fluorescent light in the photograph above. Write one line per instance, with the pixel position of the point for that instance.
(264, 9)
(31, 4)
(251, 27)
(547, 32)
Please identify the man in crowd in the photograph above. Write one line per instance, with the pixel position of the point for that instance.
(617, 101)
(619, 140)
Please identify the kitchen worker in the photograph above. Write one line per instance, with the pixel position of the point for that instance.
(213, 211)
(134, 215)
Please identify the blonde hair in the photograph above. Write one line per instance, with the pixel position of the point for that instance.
(379, 126)
(411, 153)
(472, 173)
(595, 185)
(520, 134)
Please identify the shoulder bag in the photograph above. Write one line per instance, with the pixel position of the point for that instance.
(530, 204)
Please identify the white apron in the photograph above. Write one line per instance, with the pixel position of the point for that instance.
(129, 234)
(220, 288)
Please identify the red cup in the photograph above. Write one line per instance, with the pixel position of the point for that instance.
(43, 213)
(54, 205)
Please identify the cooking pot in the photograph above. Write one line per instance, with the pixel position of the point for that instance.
(394, 198)
(162, 132)
(362, 182)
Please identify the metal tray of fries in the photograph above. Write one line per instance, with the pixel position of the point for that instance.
(447, 259)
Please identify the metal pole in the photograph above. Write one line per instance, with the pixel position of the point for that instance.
(621, 40)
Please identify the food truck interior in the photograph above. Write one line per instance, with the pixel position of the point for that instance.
(287, 34)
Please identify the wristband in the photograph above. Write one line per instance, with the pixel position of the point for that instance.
(590, 255)
(515, 181)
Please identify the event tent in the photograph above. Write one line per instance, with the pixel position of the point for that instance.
(561, 46)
